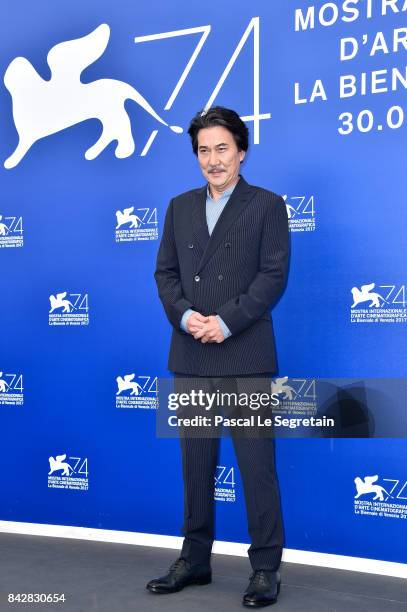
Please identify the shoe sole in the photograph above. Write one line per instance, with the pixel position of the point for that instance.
(163, 590)
(249, 604)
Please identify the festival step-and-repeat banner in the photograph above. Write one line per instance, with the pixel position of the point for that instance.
(95, 101)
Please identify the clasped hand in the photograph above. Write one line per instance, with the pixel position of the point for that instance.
(205, 329)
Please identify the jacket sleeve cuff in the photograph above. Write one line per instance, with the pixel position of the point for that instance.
(225, 330)
(184, 319)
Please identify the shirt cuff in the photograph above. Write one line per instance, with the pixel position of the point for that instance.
(183, 323)
(225, 330)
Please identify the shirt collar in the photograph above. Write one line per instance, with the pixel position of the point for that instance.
(225, 194)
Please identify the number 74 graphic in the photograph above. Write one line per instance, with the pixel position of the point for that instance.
(253, 27)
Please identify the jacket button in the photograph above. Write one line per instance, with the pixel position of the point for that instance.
(190, 246)
(227, 244)
(220, 277)
(197, 278)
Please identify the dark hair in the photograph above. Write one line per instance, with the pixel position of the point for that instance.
(225, 117)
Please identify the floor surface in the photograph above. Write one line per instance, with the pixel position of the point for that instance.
(104, 577)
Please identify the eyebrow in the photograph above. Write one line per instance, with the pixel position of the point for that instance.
(221, 144)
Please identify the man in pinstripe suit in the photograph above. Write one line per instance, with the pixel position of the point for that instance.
(222, 263)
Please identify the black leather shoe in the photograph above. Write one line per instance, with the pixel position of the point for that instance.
(180, 575)
(263, 589)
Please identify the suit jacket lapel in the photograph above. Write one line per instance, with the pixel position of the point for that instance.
(239, 199)
(199, 223)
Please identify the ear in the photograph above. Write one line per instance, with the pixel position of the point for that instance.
(242, 155)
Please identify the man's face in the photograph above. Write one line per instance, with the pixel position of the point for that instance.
(219, 157)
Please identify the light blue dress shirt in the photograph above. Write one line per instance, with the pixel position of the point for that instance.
(213, 212)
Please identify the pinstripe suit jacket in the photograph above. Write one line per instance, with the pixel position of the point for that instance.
(238, 272)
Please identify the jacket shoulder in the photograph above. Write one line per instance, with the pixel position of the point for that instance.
(265, 199)
(266, 194)
(186, 196)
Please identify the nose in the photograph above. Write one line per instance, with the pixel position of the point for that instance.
(213, 158)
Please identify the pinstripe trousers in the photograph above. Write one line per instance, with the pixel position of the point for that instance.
(255, 458)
